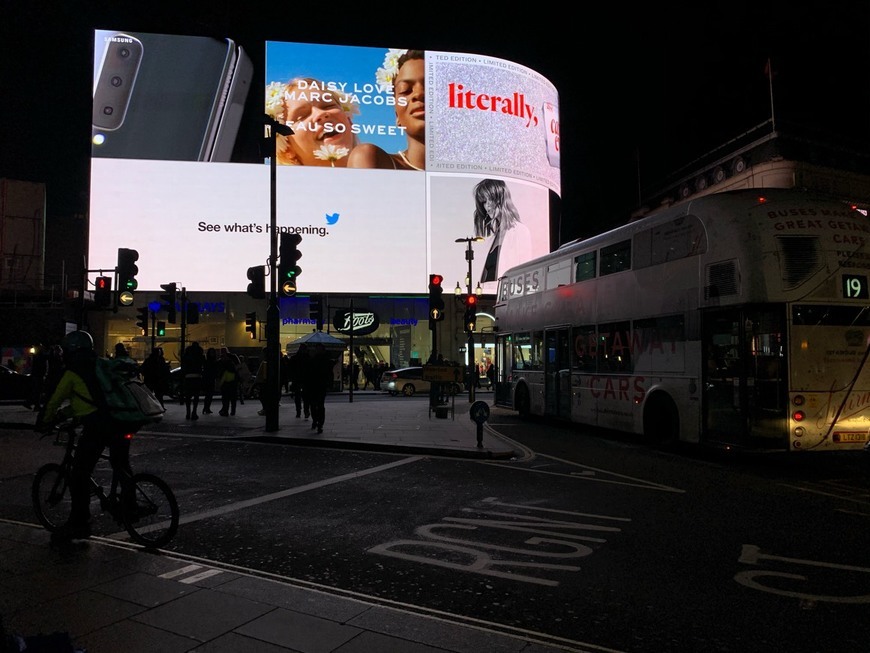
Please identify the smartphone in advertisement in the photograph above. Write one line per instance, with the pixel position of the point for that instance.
(161, 96)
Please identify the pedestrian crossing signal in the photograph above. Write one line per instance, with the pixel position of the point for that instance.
(251, 324)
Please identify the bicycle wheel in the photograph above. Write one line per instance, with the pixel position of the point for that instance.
(155, 521)
(51, 496)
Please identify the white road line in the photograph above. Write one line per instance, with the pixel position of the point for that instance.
(241, 505)
(208, 573)
(181, 571)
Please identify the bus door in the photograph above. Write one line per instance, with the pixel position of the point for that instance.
(745, 395)
(557, 373)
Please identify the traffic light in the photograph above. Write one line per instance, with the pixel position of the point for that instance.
(436, 301)
(192, 312)
(470, 312)
(315, 310)
(127, 269)
(142, 319)
(288, 271)
(103, 291)
(161, 329)
(257, 287)
(168, 298)
(251, 324)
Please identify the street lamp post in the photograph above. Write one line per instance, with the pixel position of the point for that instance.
(273, 314)
(469, 256)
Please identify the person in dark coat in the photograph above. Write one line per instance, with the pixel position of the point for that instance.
(317, 383)
(298, 371)
(192, 363)
(155, 373)
(210, 375)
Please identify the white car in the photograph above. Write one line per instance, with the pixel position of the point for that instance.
(408, 381)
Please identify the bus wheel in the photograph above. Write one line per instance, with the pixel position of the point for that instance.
(661, 421)
(521, 401)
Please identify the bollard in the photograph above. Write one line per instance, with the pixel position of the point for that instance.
(479, 413)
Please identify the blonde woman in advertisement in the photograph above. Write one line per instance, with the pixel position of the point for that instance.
(496, 216)
(321, 124)
(409, 90)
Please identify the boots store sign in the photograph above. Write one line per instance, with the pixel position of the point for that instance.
(356, 323)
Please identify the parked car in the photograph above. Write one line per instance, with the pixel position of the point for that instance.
(14, 385)
(408, 381)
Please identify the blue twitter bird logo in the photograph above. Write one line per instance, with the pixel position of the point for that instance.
(331, 219)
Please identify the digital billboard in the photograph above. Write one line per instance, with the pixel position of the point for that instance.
(394, 155)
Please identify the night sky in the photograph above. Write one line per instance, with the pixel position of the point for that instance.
(642, 92)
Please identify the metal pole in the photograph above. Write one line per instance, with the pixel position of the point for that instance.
(183, 319)
(273, 329)
(350, 376)
(469, 255)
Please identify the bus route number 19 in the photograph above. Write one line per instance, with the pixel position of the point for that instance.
(855, 286)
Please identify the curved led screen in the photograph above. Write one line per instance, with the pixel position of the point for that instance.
(394, 155)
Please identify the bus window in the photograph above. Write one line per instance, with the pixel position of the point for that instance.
(585, 349)
(614, 344)
(680, 238)
(616, 257)
(658, 344)
(559, 274)
(521, 351)
(536, 361)
(584, 266)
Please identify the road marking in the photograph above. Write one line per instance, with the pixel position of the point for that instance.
(180, 572)
(202, 575)
(751, 554)
(248, 503)
(550, 538)
(596, 474)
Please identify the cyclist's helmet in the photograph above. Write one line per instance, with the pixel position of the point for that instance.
(77, 341)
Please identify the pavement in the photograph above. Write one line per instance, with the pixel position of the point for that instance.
(111, 596)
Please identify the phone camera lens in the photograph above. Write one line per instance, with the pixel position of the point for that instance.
(108, 111)
(117, 81)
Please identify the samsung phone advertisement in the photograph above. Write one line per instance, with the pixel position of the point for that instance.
(387, 157)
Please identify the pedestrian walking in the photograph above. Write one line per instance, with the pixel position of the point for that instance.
(210, 377)
(299, 363)
(192, 363)
(229, 383)
(155, 373)
(318, 383)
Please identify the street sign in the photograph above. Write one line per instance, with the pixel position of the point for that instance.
(479, 412)
(442, 373)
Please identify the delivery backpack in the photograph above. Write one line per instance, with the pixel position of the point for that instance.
(124, 396)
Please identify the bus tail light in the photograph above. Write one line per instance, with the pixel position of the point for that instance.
(798, 400)
(798, 416)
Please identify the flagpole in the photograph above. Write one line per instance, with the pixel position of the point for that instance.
(769, 70)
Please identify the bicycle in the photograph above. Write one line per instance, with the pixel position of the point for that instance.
(153, 521)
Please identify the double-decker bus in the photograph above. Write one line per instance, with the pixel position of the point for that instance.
(737, 320)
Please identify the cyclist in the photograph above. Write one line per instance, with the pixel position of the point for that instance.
(79, 387)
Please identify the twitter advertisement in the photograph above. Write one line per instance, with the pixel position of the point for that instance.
(380, 174)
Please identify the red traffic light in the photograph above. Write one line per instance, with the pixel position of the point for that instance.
(471, 300)
(436, 279)
(104, 283)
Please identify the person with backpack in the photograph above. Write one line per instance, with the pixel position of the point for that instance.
(80, 387)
